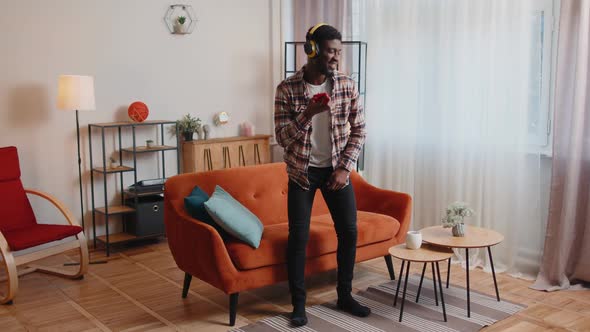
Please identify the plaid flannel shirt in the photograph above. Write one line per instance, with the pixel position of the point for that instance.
(293, 128)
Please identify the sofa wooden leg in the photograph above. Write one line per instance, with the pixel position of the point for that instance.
(233, 308)
(187, 284)
(389, 263)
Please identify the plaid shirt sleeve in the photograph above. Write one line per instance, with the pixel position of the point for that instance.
(358, 133)
(289, 126)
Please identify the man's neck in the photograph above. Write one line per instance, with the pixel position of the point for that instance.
(313, 76)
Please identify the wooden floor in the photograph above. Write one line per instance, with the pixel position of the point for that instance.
(139, 290)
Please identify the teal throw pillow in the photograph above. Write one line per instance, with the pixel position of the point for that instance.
(195, 206)
(235, 218)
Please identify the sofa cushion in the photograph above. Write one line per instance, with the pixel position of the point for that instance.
(234, 218)
(195, 206)
(372, 228)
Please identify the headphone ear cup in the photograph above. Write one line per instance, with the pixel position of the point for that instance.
(307, 48)
(313, 50)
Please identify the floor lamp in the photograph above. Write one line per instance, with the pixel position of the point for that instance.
(76, 93)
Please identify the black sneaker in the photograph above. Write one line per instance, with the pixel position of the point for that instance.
(350, 305)
(298, 317)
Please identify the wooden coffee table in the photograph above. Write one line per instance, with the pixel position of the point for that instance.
(475, 237)
(425, 254)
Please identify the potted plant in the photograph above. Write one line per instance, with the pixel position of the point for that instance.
(179, 26)
(188, 125)
(113, 162)
(455, 214)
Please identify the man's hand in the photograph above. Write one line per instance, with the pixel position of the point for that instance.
(338, 179)
(316, 107)
(321, 98)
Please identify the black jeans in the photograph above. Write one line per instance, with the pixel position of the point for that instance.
(342, 206)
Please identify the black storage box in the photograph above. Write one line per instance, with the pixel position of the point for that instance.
(148, 218)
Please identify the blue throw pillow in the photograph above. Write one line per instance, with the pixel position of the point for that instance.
(195, 206)
(233, 217)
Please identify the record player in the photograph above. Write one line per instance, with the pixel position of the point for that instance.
(150, 185)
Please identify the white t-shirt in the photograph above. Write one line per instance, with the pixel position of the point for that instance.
(321, 134)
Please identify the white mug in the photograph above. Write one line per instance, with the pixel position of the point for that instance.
(413, 240)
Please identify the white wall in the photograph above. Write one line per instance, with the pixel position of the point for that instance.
(226, 64)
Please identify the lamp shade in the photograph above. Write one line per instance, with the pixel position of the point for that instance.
(75, 92)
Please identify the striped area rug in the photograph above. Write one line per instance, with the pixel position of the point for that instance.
(421, 316)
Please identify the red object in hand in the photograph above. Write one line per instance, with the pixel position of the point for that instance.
(321, 98)
(138, 111)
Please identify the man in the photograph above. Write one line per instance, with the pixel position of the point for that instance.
(320, 153)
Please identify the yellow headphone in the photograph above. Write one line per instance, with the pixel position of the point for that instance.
(310, 47)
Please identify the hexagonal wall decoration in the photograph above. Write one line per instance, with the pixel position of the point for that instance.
(180, 19)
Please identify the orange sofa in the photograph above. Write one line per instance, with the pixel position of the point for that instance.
(233, 266)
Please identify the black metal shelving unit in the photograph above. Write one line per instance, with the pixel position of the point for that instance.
(108, 211)
(356, 67)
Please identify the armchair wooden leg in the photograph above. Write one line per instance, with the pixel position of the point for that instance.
(11, 272)
(187, 284)
(83, 267)
(233, 308)
(389, 263)
(20, 272)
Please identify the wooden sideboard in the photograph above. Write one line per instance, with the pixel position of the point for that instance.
(227, 152)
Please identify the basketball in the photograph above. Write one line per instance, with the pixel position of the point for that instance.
(138, 111)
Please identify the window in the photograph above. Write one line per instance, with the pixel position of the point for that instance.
(543, 64)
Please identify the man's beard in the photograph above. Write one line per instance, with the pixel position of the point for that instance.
(325, 69)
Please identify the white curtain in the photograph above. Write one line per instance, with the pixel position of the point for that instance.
(448, 116)
(300, 15)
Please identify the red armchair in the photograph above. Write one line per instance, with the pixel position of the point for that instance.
(19, 229)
